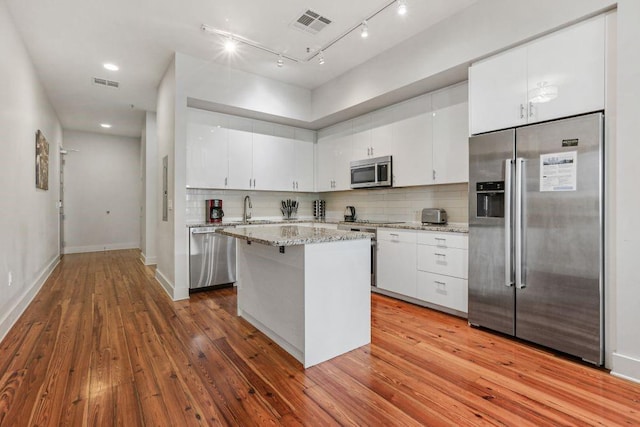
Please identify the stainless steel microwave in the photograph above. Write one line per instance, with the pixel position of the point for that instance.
(375, 172)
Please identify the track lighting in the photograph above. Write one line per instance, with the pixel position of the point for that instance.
(232, 41)
(402, 7)
(364, 33)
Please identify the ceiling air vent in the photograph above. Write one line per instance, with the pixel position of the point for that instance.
(104, 82)
(311, 22)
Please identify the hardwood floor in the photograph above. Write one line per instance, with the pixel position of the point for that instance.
(102, 344)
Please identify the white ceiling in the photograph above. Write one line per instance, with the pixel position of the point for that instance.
(69, 40)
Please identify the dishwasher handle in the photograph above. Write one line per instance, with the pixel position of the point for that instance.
(196, 231)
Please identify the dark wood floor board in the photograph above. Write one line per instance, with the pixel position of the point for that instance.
(235, 393)
(34, 370)
(423, 404)
(102, 344)
(451, 379)
(47, 411)
(370, 407)
(270, 371)
(14, 371)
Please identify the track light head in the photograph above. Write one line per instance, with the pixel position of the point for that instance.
(321, 58)
(364, 32)
(280, 61)
(402, 7)
(230, 45)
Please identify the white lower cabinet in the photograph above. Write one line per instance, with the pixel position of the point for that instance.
(445, 291)
(396, 270)
(443, 269)
(424, 266)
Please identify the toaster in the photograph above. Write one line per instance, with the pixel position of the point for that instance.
(434, 216)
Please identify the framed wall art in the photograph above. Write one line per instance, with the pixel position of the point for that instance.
(42, 161)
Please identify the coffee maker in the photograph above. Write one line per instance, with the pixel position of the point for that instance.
(214, 211)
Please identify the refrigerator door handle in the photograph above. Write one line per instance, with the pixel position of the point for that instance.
(507, 223)
(518, 222)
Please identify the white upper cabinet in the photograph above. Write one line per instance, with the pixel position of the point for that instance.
(450, 135)
(273, 162)
(361, 142)
(334, 153)
(559, 75)
(240, 154)
(232, 152)
(572, 63)
(413, 142)
(304, 160)
(207, 137)
(498, 92)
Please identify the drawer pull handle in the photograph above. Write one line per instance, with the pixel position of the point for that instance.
(441, 238)
(440, 283)
(437, 254)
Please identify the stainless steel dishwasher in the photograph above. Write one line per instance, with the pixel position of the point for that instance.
(212, 259)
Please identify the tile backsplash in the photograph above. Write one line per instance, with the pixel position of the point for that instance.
(266, 204)
(401, 204)
(392, 204)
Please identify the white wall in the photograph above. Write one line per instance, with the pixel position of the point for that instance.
(165, 116)
(29, 228)
(626, 358)
(231, 88)
(102, 192)
(479, 30)
(151, 209)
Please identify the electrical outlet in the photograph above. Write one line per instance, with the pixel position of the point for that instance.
(10, 279)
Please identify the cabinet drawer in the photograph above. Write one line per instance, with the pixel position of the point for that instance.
(392, 235)
(447, 261)
(443, 240)
(446, 291)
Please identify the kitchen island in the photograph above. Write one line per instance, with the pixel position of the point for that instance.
(306, 288)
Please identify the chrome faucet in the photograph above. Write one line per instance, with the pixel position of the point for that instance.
(246, 215)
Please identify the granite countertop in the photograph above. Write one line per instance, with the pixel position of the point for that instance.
(441, 228)
(260, 222)
(290, 235)
(445, 228)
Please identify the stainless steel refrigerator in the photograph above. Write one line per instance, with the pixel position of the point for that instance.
(536, 234)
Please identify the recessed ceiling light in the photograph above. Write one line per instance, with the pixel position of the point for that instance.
(111, 67)
(105, 125)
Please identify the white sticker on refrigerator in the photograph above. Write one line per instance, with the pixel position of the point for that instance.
(558, 171)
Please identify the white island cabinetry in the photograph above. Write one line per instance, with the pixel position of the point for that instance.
(306, 288)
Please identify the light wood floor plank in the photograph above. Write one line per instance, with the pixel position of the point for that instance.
(102, 344)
